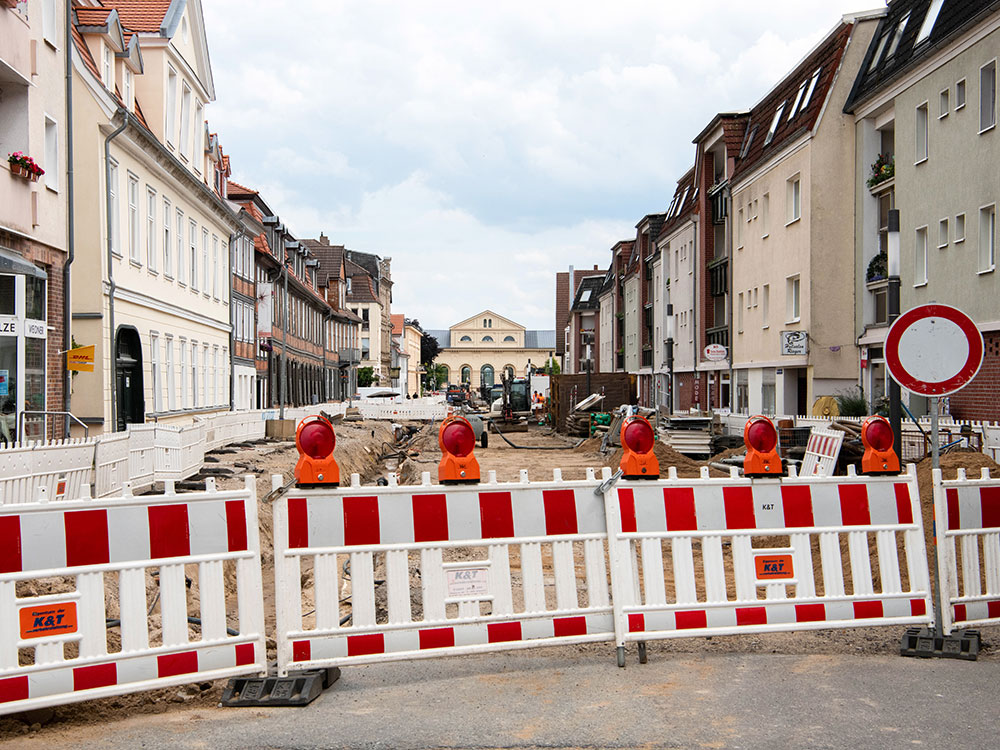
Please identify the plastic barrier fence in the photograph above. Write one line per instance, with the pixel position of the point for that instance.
(61, 467)
(94, 599)
(822, 452)
(968, 548)
(434, 570)
(723, 556)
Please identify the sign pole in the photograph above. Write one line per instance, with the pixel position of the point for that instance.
(935, 465)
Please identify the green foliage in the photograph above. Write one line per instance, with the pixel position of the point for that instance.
(438, 375)
(366, 376)
(878, 268)
(551, 367)
(852, 403)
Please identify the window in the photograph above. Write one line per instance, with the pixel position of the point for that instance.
(194, 374)
(167, 244)
(185, 138)
(920, 258)
(49, 22)
(793, 199)
(151, 228)
(116, 219)
(207, 398)
(878, 52)
(154, 369)
(987, 238)
(128, 95)
(216, 391)
(488, 339)
(204, 261)
(107, 70)
(215, 266)
(739, 313)
(798, 99)
(193, 253)
(812, 87)
(774, 123)
(51, 154)
(199, 135)
(184, 378)
(466, 338)
(960, 228)
(180, 246)
(928, 25)
(960, 95)
(508, 339)
(920, 134)
(171, 396)
(765, 210)
(988, 96)
(765, 305)
(170, 115)
(792, 299)
(943, 104)
(133, 218)
(943, 233)
(739, 228)
(897, 36)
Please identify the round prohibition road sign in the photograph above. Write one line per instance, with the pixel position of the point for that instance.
(933, 350)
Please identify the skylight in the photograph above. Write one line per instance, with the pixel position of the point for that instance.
(929, 20)
(798, 99)
(774, 123)
(746, 143)
(899, 35)
(878, 52)
(812, 86)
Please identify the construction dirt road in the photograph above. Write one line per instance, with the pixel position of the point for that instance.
(361, 448)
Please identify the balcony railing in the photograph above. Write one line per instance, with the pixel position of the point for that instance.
(350, 355)
(717, 335)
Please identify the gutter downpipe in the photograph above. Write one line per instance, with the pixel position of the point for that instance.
(232, 329)
(70, 218)
(110, 255)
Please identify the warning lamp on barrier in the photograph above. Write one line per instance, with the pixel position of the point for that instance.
(315, 441)
(761, 441)
(458, 464)
(638, 460)
(877, 437)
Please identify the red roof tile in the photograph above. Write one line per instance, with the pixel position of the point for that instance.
(235, 188)
(84, 50)
(92, 16)
(141, 15)
(398, 321)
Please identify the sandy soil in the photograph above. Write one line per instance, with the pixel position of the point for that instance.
(359, 447)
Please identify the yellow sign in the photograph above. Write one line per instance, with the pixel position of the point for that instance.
(81, 359)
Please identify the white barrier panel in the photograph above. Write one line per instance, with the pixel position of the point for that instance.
(61, 467)
(403, 411)
(723, 556)
(477, 552)
(141, 455)
(968, 548)
(111, 463)
(822, 452)
(58, 646)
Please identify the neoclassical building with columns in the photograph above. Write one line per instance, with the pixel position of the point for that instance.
(478, 349)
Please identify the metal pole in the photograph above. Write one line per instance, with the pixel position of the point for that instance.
(284, 334)
(936, 464)
(892, 254)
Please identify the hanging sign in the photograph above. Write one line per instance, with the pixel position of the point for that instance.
(794, 342)
(80, 359)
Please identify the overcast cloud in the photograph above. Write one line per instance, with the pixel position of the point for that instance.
(486, 146)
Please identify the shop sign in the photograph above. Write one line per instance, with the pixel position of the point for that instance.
(794, 342)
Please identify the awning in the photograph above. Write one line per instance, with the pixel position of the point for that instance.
(11, 262)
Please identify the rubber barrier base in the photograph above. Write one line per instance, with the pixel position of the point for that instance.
(298, 689)
(926, 644)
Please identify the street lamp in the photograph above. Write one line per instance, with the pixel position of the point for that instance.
(892, 253)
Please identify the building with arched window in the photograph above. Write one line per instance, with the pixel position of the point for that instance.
(478, 350)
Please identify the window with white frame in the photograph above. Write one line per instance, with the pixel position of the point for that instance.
(198, 153)
(959, 228)
(193, 253)
(185, 136)
(930, 18)
(168, 245)
(183, 373)
(215, 266)
(209, 398)
(154, 369)
(50, 22)
(170, 114)
(765, 210)
(897, 37)
(959, 95)
(739, 228)
(943, 233)
(765, 305)
(171, 394)
(739, 313)
(151, 228)
(195, 400)
(114, 199)
(812, 87)
(215, 375)
(774, 123)
(792, 299)
(204, 261)
(107, 68)
(988, 96)
(51, 154)
(944, 103)
(920, 134)
(987, 238)
(133, 218)
(920, 257)
(793, 199)
(180, 246)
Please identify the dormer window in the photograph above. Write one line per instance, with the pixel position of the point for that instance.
(170, 116)
(185, 139)
(108, 71)
(774, 123)
(127, 85)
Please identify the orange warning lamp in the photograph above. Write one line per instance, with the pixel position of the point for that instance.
(315, 440)
(877, 437)
(458, 464)
(638, 460)
(761, 441)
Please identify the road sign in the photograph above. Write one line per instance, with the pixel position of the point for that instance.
(933, 350)
(715, 352)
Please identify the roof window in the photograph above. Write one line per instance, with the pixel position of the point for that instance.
(798, 99)
(747, 141)
(774, 123)
(585, 295)
(929, 20)
(897, 36)
(878, 52)
(812, 87)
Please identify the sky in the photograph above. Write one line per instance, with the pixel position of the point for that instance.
(484, 147)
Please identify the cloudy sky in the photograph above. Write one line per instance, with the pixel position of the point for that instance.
(486, 146)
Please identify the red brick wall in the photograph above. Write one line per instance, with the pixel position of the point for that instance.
(980, 399)
(562, 310)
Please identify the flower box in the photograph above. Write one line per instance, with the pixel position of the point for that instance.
(24, 166)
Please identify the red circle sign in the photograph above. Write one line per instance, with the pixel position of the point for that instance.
(933, 350)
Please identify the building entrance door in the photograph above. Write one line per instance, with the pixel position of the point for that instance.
(131, 402)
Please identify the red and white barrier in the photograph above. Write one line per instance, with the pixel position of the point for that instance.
(821, 453)
(724, 556)
(54, 647)
(476, 550)
(968, 548)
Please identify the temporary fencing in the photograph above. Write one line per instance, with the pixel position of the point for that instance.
(77, 578)
(724, 556)
(822, 452)
(478, 552)
(968, 548)
(60, 467)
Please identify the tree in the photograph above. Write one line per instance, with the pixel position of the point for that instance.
(366, 376)
(429, 349)
(551, 367)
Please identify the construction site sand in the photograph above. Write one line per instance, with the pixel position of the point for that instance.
(358, 447)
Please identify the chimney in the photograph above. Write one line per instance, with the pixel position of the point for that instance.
(323, 239)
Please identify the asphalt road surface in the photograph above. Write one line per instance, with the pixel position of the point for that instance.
(561, 698)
